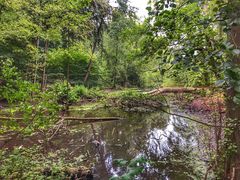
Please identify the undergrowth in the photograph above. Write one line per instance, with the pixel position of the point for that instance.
(31, 163)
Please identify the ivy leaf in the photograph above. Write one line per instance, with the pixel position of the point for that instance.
(121, 162)
(228, 45)
(232, 73)
(149, 8)
(220, 83)
(236, 51)
(173, 5)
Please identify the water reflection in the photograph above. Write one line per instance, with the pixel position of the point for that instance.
(161, 140)
(167, 141)
(171, 151)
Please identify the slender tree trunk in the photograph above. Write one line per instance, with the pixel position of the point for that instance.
(88, 71)
(36, 63)
(115, 73)
(43, 85)
(90, 63)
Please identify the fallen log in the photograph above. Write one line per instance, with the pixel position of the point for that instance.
(92, 120)
(84, 120)
(175, 90)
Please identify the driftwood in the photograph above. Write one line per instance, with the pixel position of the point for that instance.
(83, 120)
(175, 90)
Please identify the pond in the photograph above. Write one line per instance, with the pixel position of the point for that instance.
(167, 142)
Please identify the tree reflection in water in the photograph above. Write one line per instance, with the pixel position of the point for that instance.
(165, 140)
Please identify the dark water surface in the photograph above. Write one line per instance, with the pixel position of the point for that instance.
(168, 142)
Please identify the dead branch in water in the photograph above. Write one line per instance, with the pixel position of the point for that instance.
(84, 120)
(191, 119)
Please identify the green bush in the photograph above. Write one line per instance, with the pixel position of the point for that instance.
(71, 94)
(83, 92)
(132, 95)
(38, 109)
(95, 93)
(15, 89)
(80, 90)
(64, 92)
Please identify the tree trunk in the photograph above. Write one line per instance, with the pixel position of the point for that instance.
(36, 63)
(88, 71)
(232, 163)
(176, 90)
(90, 63)
(43, 85)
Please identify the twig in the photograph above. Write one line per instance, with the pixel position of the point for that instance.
(191, 119)
(60, 123)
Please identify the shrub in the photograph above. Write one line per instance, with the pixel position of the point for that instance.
(95, 93)
(38, 109)
(64, 92)
(80, 90)
(132, 94)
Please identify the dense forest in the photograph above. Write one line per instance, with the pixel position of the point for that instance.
(89, 90)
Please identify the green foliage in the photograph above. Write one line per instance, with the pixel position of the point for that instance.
(39, 113)
(67, 94)
(89, 93)
(134, 168)
(232, 80)
(38, 109)
(46, 34)
(81, 91)
(74, 61)
(178, 40)
(64, 92)
(14, 88)
(120, 50)
(150, 79)
(132, 94)
(194, 36)
(22, 163)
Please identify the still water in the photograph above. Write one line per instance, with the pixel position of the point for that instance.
(168, 142)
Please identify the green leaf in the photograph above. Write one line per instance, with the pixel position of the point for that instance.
(220, 83)
(236, 51)
(120, 162)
